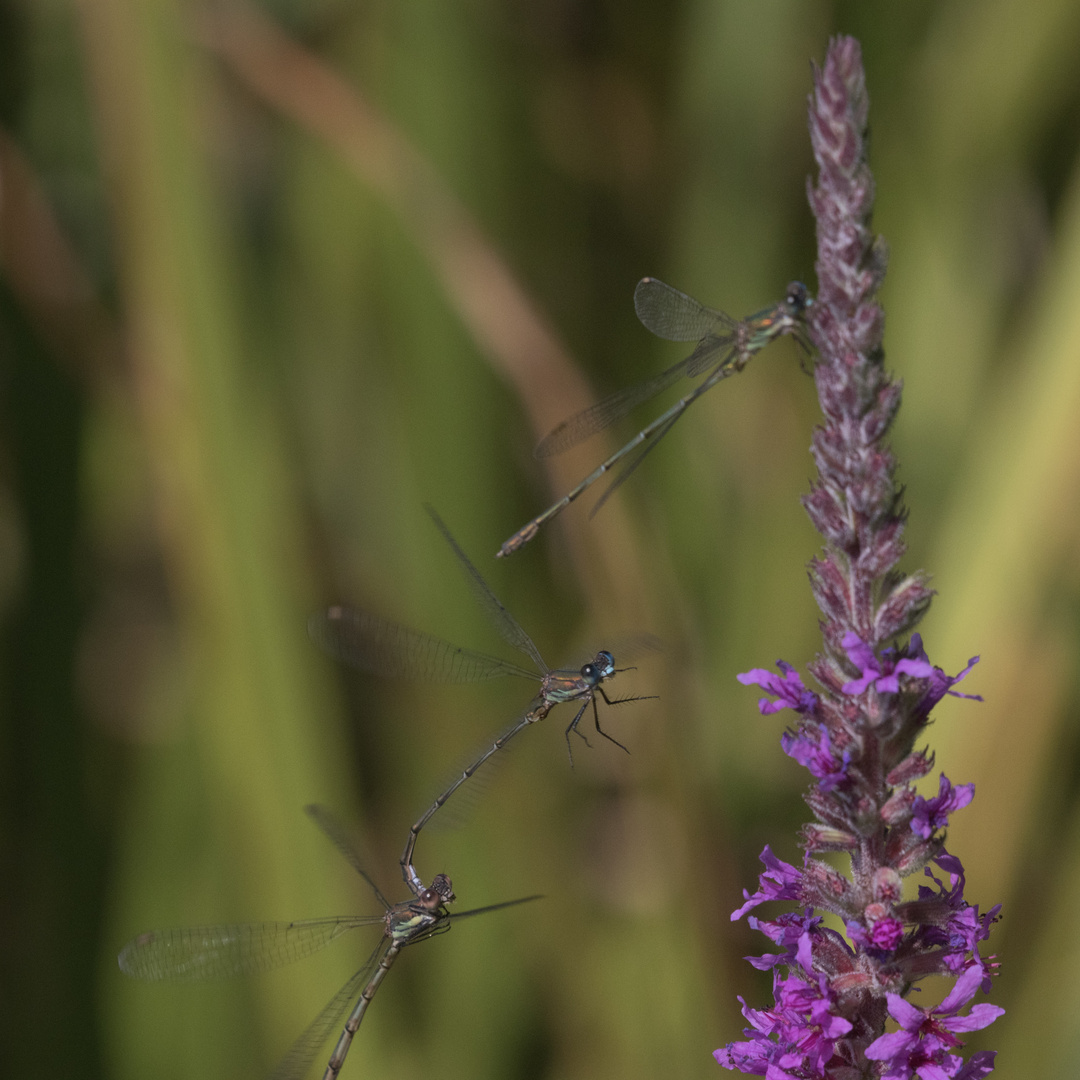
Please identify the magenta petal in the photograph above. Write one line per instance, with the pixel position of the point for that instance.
(804, 953)
(949, 863)
(767, 707)
(765, 960)
(930, 1071)
(774, 1072)
(980, 1016)
(918, 669)
(757, 677)
(857, 686)
(833, 1027)
(968, 697)
(970, 664)
(889, 1046)
(960, 994)
(858, 651)
(904, 1013)
(980, 1065)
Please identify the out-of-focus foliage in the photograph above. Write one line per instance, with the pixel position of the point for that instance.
(272, 277)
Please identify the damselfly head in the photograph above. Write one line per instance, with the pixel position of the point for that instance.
(797, 299)
(443, 889)
(601, 668)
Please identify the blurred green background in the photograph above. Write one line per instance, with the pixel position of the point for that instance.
(273, 277)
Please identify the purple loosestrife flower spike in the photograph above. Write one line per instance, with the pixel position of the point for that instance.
(835, 993)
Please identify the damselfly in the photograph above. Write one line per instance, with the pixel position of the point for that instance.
(724, 347)
(214, 952)
(381, 647)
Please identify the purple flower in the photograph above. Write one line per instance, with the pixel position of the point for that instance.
(980, 1065)
(882, 674)
(882, 935)
(813, 749)
(963, 932)
(795, 1039)
(951, 925)
(789, 690)
(779, 881)
(793, 930)
(932, 814)
(940, 683)
(922, 1045)
(886, 933)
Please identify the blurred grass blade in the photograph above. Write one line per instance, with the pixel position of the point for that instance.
(225, 510)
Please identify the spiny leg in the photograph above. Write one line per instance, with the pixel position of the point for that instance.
(616, 701)
(596, 720)
(627, 700)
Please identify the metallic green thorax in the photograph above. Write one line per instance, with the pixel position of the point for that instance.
(415, 920)
(761, 329)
